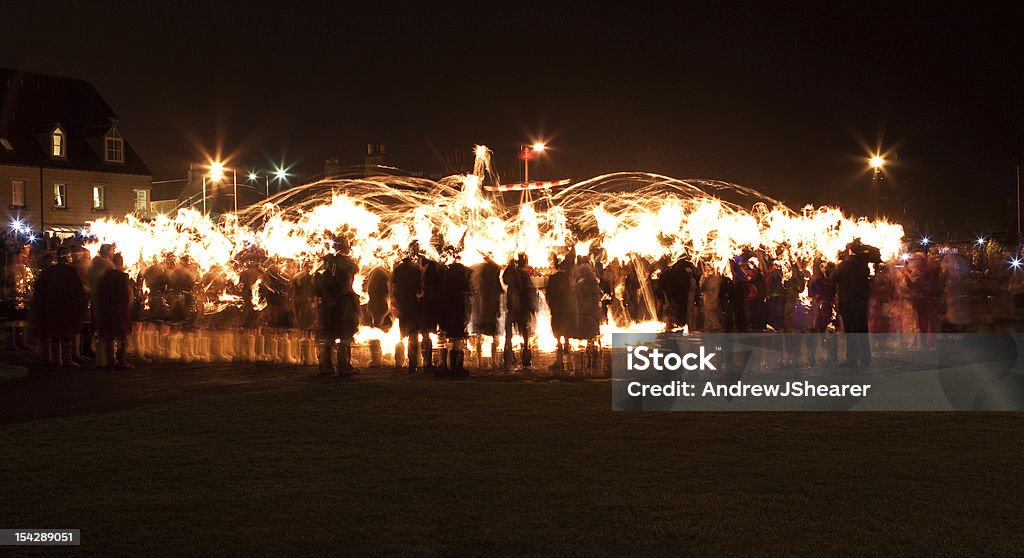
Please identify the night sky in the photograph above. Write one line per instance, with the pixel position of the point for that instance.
(780, 98)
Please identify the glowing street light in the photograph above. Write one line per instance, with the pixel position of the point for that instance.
(876, 162)
(280, 174)
(216, 175)
(981, 241)
(216, 171)
(528, 153)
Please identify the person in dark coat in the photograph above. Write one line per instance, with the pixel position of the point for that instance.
(775, 297)
(755, 304)
(432, 305)
(853, 288)
(822, 290)
(101, 264)
(560, 294)
(674, 287)
(735, 294)
(487, 292)
(375, 311)
(114, 296)
(590, 313)
(631, 295)
(455, 315)
(59, 305)
(486, 303)
(338, 309)
(377, 287)
(405, 304)
(520, 308)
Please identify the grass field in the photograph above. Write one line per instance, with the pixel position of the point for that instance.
(424, 467)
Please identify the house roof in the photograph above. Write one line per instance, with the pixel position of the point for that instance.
(33, 105)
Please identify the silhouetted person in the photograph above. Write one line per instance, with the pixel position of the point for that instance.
(338, 309)
(455, 316)
(853, 288)
(486, 303)
(100, 265)
(713, 287)
(375, 311)
(432, 303)
(735, 295)
(114, 296)
(58, 306)
(822, 290)
(590, 312)
(520, 307)
(560, 294)
(405, 285)
(631, 295)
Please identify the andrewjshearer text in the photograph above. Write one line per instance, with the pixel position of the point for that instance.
(740, 389)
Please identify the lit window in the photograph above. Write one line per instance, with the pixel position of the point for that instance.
(99, 197)
(114, 147)
(142, 202)
(57, 147)
(60, 196)
(18, 193)
(7, 144)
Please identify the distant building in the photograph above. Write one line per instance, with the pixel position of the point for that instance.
(63, 157)
(332, 168)
(376, 156)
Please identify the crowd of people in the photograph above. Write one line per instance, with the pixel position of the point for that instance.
(78, 307)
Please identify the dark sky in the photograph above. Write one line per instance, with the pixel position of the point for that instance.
(781, 98)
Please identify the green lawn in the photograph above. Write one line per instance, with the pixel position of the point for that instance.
(508, 468)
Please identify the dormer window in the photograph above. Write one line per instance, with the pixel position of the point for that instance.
(58, 144)
(113, 144)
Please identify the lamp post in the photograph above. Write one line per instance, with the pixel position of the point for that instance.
(527, 153)
(215, 175)
(876, 163)
(280, 174)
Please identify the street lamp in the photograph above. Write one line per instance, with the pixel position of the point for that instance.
(527, 153)
(215, 175)
(280, 174)
(876, 163)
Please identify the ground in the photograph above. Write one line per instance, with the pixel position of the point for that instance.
(266, 460)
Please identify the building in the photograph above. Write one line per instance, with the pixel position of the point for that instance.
(63, 157)
(376, 157)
